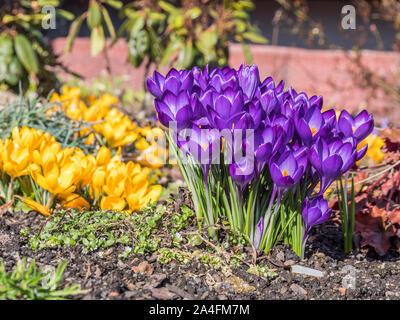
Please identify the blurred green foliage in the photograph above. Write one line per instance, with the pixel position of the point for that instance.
(24, 54)
(181, 34)
(187, 33)
(99, 23)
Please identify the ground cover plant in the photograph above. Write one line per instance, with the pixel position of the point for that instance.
(27, 281)
(94, 230)
(254, 152)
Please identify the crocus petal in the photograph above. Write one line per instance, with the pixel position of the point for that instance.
(345, 123)
(331, 166)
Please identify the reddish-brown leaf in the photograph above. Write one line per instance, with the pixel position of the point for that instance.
(390, 182)
(5, 207)
(373, 230)
(394, 216)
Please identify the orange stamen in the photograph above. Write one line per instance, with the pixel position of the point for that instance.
(313, 131)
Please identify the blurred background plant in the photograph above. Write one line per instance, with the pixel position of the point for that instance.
(99, 23)
(296, 17)
(181, 34)
(187, 33)
(25, 55)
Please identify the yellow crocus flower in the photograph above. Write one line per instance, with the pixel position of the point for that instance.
(375, 144)
(15, 159)
(74, 200)
(36, 206)
(53, 176)
(103, 156)
(112, 203)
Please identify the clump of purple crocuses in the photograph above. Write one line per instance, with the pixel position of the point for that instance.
(254, 152)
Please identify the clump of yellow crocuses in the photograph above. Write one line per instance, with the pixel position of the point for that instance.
(120, 185)
(69, 177)
(117, 129)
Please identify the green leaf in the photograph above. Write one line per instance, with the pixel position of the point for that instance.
(241, 14)
(177, 20)
(6, 45)
(65, 14)
(108, 22)
(193, 13)
(115, 4)
(247, 5)
(186, 56)
(25, 53)
(54, 3)
(94, 15)
(97, 41)
(137, 25)
(255, 37)
(240, 26)
(167, 7)
(7, 18)
(73, 32)
(169, 51)
(206, 44)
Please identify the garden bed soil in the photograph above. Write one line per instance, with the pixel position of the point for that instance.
(106, 276)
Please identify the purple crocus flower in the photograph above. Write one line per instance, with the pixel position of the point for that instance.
(171, 107)
(312, 125)
(331, 159)
(249, 80)
(225, 108)
(175, 82)
(221, 79)
(286, 124)
(269, 96)
(359, 127)
(242, 172)
(202, 144)
(288, 167)
(314, 212)
(200, 78)
(266, 143)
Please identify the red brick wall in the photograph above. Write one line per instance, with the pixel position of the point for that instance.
(321, 72)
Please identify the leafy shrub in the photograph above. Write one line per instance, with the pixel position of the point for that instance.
(24, 54)
(178, 33)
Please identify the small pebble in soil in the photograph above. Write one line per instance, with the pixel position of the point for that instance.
(298, 290)
(306, 271)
